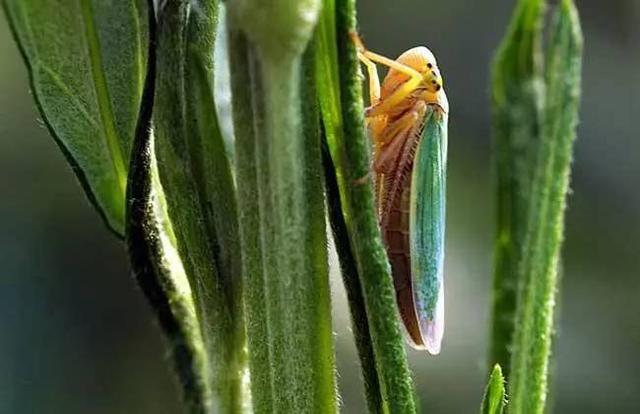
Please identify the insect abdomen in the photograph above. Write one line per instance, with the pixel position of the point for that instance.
(396, 237)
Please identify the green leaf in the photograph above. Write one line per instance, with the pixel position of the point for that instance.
(328, 87)
(536, 301)
(343, 115)
(198, 186)
(494, 398)
(517, 101)
(154, 259)
(87, 75)
(161, 275)
(351, 281)
(280, 195)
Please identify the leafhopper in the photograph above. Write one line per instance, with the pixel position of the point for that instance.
(407, 122)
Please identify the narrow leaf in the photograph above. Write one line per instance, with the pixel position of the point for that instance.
(351, 158)
(155, 262)
(517, 99)
(351, 280)
(328, 87)
(161, 276)
(535, 316)
(86, 62)
(196, 178)
(494, 398)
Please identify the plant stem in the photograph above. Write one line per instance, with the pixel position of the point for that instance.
(246, 127)
(350, 153)
(328, 86)
(517, 101)
(351, 280)
(535, 316)
(279, 155)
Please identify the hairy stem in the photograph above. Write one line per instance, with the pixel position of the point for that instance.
(536, 301)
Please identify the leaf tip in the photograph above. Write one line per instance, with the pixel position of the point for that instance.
(494, 399)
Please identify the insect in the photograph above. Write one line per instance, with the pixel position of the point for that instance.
(407, 121)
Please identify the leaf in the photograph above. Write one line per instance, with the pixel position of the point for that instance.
(162, 277)
(87, 73)
(350, 153)
(494, 398)
(328, 87)
(196, 178)
(517, 101)
(154, 259)
(351, 280)
(536, 301)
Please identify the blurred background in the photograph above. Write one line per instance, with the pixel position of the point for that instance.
(77, 336)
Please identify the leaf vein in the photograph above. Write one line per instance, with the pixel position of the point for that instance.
(57, 81)
(102, 95)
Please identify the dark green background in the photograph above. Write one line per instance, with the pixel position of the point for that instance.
(76, 335)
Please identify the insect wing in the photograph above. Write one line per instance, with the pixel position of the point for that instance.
(427, 228)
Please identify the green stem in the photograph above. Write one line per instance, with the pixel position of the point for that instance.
(246, 130)
(328, 86)
(350, 153)
(351, 280)
(517, 101)
(297, 286)
(283, 227)
(535, 316)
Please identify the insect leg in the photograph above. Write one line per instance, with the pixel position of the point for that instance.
(374, 80)
(392, 64)
(415, 78)
(372, 71)
(368, 58)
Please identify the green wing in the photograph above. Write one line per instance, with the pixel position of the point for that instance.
(427, 228)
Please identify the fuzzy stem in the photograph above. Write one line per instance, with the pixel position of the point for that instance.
(535, 316)
(283, 228)
(328, 86)
(350, 154)
(517, 101)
